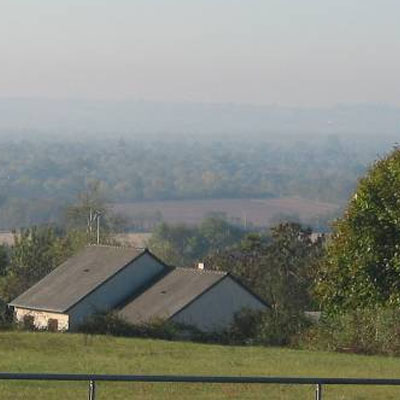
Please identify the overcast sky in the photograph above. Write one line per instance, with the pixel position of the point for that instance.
(288, 52)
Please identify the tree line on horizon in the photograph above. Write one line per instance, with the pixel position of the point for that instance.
(38, 179)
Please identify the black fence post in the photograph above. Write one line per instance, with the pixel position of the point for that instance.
(92, 390)
(318, 392)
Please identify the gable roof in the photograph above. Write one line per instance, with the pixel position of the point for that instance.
(170, 294)
(76, 278)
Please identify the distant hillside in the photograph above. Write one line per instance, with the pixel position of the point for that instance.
(141, 151)
(142, 117)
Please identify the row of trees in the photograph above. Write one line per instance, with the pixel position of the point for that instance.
(39, 178)
(181, 245)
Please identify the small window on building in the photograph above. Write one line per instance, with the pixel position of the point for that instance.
(52, 325)
(29, 322)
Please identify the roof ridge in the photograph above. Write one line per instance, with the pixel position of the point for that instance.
(201, 271)
(115, 246)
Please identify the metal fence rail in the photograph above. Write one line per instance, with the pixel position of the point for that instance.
(93, 378)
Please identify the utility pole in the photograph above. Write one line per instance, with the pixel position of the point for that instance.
(94, 218)
(98, 216)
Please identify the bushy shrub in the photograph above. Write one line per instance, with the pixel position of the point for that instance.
(361, 265)
(3, 314)
(270, 327)
(366, 331)
(112, 324)
(6, 317)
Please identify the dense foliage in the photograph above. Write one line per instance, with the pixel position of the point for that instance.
(362, 263)
(268, 328)
(38, 178)
(181, 245)
(368, 331)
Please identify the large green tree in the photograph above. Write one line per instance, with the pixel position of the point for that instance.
(362, 263)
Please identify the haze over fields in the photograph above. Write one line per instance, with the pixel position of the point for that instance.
(186, 101)
(39, 179)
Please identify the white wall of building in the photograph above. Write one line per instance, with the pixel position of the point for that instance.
(215, 309)
(117, 289)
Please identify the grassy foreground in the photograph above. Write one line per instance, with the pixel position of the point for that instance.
(70, 353)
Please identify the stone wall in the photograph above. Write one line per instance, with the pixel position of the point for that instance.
(40, 319)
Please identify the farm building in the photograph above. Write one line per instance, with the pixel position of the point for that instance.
(137, 285)
(205, 299)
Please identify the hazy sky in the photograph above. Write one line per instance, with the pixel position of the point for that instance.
(289, 52)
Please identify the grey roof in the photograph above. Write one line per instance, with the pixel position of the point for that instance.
(76, 277)
(170, 294)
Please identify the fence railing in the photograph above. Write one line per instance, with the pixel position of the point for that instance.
(93, 378)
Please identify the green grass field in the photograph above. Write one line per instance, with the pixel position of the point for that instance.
(70, 353)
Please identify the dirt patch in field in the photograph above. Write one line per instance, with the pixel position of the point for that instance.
(7, 238)
(138, 240)
(259, 212)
